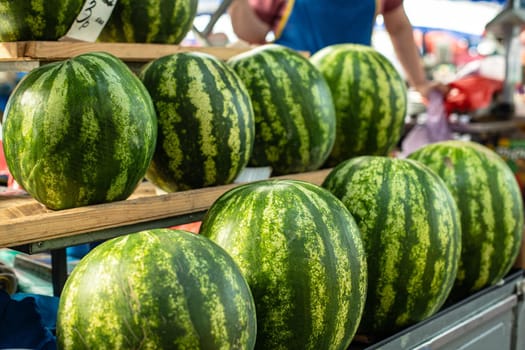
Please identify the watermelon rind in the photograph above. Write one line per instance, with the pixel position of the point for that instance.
(205, 121)
(411, 231)
(370, 99)
(156, 289)
(22, 20)
(490, 204)
(302, 256)
(80, 131)
(295, 119)
(150, 21)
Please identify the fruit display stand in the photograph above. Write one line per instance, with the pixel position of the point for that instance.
(492, 318)
(28, 226)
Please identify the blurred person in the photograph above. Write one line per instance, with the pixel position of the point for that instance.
(310, 25)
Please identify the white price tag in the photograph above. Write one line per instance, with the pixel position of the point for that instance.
(249, 174)
(90, 21)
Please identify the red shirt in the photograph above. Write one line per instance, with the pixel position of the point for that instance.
(271, 11)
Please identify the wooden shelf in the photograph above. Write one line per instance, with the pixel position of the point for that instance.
(25, 221)
(27, 225)
(26, 55)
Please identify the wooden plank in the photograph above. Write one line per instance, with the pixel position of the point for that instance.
(60, 50)
(11, 50)
(30, 222)
(18, 65)
(18, 204)
(69, 222)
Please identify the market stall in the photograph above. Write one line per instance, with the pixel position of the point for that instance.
(41, 228)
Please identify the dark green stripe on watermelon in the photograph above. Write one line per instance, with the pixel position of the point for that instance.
(150, 21)
(301, 253)
(37, 19)
(294, 112)
(158, 289)
(411, 231)
(206, 125)
(369, 97)
(491, 210)
(79, 132)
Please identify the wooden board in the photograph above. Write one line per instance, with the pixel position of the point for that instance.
(59, 50)
(24, 221)
(10, 51)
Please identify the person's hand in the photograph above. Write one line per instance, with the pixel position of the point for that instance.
(425, 88)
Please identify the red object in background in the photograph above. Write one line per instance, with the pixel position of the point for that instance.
(471, 93)
(3, 165)
(11, 183)
(192, 227)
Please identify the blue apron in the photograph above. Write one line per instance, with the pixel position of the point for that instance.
(310, 25)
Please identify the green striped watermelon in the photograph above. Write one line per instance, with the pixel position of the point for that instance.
(370, 100)
(294, 112)
(37, 19)
(490, 206)
(157, 289)
(206, 122)
(150, 21)
(411, 231)
(300, 251)
(80, 131)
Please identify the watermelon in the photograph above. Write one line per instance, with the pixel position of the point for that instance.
(411, 232)
(80, 131)
(37, 19)
(206, 122)
(294, 112)
(150, 21)
(300, 251)
(156, 289)
(370, 100)
(490, 206)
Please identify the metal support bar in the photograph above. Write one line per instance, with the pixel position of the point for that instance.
(223, 7)
(58, 270)
(508, 25)
(94, 236)
(520, 290)
(469, 324)
(19, 66)
(511, 42)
